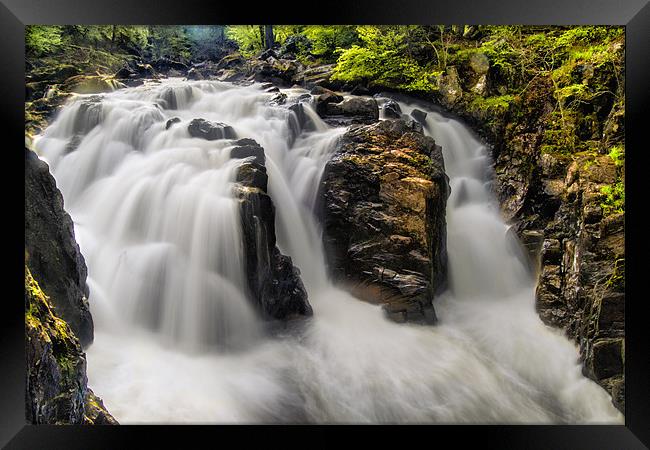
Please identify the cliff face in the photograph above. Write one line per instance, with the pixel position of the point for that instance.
(384, 194)
(57, 324)
(57, 391)
(54, 256)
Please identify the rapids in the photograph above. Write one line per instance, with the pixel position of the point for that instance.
(176, 340)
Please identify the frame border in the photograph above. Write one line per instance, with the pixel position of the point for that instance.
(634, 14)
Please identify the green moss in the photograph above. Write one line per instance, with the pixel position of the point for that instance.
(497, 104)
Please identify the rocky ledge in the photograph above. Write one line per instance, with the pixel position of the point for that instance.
(274, 282)
(57, 391)
(383, 198)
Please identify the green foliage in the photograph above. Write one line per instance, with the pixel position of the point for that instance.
(249, 38)
(41, 39)
(327, 40)
(383, 60)
(167, 41)
(613, 198)
(617, 153)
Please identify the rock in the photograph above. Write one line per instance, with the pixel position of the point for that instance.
(201, 128)
(392, 110)
(420, 116)
(171, 122)
(274, 282)
(168, 65)
(247, 148)
(53, 254)
(382, 198)
(54, 75)
(479, 63)
(95, 411)
(360, 89)
(352, 109)
(324, 99)
(91, 84)
(169, 98)
(56, 381)
(412, 124)
(450, 88)
(279, 99)
(268, 53)
(194, 74)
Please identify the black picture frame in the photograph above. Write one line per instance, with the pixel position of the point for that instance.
(634, 14)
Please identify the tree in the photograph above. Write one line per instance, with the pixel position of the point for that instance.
(269, 39)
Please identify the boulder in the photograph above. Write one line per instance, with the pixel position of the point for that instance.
(273, 281)
(204, 129)
(248, 148)
(479, 63)
(419, 115)
(382, 198)
(361, 107)
(392, 110)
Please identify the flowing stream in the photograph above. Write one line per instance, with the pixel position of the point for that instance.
(176, 340)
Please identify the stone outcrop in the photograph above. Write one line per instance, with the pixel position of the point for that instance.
(57, 391)
(274, 282)
(204, 129)
(383, 197)
(54, 256)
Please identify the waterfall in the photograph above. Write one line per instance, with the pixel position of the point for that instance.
(176, 340)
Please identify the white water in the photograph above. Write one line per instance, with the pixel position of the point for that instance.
(176, 340)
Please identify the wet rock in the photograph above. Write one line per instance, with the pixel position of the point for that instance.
(392, 110)
(171, 122)
(274, 282)
(324, 99)
(53, 254)
(247, 148)
(361, 109)
(383, 197)
(420, 116)
(56, 382)
(194, 74)
(204, 129)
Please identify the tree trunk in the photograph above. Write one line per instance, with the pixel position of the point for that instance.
(261, 29)
(269, 38)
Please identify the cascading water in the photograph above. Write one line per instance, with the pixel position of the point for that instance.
(176, 340)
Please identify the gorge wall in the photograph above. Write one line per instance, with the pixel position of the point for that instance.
(57, 319)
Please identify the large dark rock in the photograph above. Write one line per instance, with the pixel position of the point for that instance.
(56, 382)
(204, 129)
(53, 254)
(392, 110)
(363, 109)
(383, 197)
(167, 65)
(248, 148)
(273, 281)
